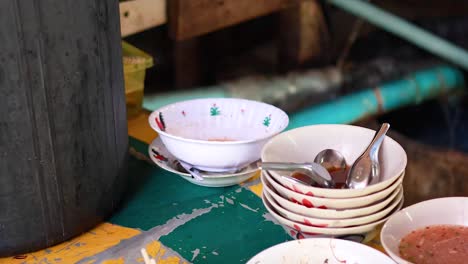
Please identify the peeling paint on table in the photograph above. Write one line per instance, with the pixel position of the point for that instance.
(177, 222)
(92, 242)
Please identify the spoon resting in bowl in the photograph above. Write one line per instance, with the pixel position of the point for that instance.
(314, 172)
(366, 168)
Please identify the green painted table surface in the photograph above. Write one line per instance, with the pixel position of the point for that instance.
(204, 225)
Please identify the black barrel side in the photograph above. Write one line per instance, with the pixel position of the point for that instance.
(63, 130)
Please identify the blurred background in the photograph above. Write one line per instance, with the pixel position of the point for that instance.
(299, 55)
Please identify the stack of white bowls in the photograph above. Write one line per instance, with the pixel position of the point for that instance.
(307, 211)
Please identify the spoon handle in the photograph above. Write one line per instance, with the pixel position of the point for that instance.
(379, 136)
(193, 171)
(318, 173)
(282, 166)
(287, 166)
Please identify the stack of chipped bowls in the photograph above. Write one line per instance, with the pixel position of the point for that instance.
(308, 211)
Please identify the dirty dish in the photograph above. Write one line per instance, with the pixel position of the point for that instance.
(328, 213)
(217, 134)
(165, 160)
(359, 230)
(324, 222)
(309, 200)
(303, 144)
(320, 250)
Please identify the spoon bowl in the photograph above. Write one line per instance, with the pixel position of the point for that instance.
(331, 159)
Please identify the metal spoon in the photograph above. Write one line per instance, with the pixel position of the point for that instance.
(331, 159)
(366, 168)
(192, 170)
(314, 171)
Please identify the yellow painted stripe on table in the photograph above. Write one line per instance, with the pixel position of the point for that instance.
(154, 249)
(139, 128)
(256, 188)
(86, 245)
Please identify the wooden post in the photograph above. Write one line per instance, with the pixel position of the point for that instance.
(140, 15)
(190, 18)
(303, 35)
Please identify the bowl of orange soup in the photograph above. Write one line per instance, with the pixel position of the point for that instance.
(217, 134)
(431, 232)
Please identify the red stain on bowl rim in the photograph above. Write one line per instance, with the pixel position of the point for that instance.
(307, 203)
(160, 122)
(307, 222)
(295, 201)
(311, 234)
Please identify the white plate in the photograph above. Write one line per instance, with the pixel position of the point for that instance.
(320, 251)
(164, 159)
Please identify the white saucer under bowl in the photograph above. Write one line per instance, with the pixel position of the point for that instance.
(164, 159)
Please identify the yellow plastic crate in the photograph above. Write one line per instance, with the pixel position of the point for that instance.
(135, 63)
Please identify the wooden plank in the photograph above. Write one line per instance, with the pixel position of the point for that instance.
(303, 35)
(187, 63)
(140, 15)
(190, 18)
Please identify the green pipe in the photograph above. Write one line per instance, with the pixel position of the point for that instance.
(271, 89)
(412, 90)
(406, 30)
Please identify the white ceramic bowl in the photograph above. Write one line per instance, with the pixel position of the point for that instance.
(441, 211)
(336, 231)
(320, 250)
(303, 144)
(332, 203)
(328, 213)
(218, 134)
(324, 222)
